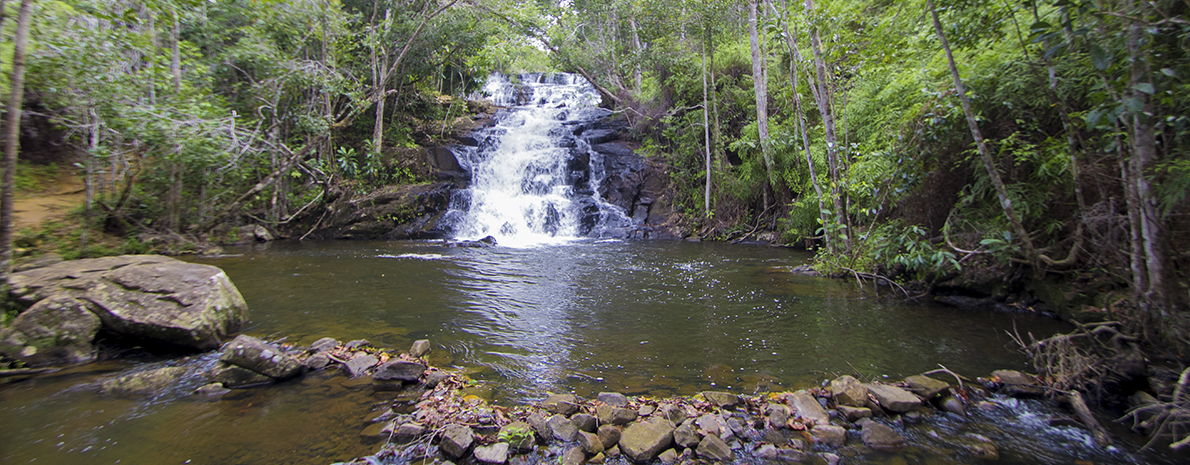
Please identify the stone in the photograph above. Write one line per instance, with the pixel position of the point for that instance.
(211, 390)
(433, 378)
(408, 432)
(613, 452)
(58, 330)
(881, 437)
(672, 413)
(496, 453)
(540, 426)
(380, 415)
(613, 399)
(642, 441)
(893, 399)
(573, 456)
(668, 457)
(253, 354)
(708, 424)
(926, 387)
(146, 297)
(456, 441)
(233, 376)
(980, 447)
(518, 435)
(722, 399)
(808, 408)
(317, 361)
(420, 348)
(646, 410)
(609, 435)
(953, 405)
(609, 415)
(561, 428)
(685, 436)
(399, 370)
(830, 435)
(584, 422)
(324, 345)
(854, 414)
(564, 404)
(590, 443)
(1018, 384)
(848, 391)
(831, 459)
(357, 344)
(737, 427)
(377, 431)
(771, 453)
(778, 415)
(359, 365)
(145, 383)
(713, 448)
(598, 459)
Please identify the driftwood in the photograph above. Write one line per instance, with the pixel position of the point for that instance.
(1102, 438)
(25, 372)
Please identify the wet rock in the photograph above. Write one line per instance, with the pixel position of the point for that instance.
(646, 410)
(317, 361)
(377, 431)
(561, 428)
(540, 426)
(808, 408)
(1018, 384)
(613, 399)
(831, 459)
(926, 387)
(615, 415)
(979, 446)
(668, 457)
(399, 370)
(881, 437)
(212, 390)
(778, 415)
(486, 242)
(672, 413)
(848, 391)
(58, 330)
(854, 414)
(642, 441)
(771, 453)
(737, 427)
(145, 383)
(953, 405)
(435, 377)
(894, 399)
(147, 297)
(713, 448)
(233, 376)
(563, 404)
(360, 364)
(519, 436)
(420, 348)
(584, 422)
(496, 453)
(722, 399)
(456, 441)
(323, 345)
(609, 435)
(573, 456)
(408, 432)
(357, 344)
(590, 443)
(253, 354)
(685, 436)
(829, 434)
(708, 424)
(380, 415)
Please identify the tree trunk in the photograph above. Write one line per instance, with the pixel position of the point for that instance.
(175, 64)
(761, 89)
(1001, 191)
(706, 126)
(824, 97)
(12, 136)
(795, 57)
(637, 75)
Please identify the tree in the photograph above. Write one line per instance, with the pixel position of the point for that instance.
(12, 138)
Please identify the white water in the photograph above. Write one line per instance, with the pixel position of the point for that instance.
(532, 180)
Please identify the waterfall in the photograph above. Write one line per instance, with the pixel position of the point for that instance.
(533, 180)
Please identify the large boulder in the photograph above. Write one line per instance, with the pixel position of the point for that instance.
(55, 331)
(642, 441)
(158, 300)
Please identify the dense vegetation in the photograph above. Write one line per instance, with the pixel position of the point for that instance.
(908, 139)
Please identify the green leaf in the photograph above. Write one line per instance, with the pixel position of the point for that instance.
(1100, 58)
(1145, 87)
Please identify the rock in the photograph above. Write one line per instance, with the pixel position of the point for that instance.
(58, 330)
(456, 441)
(408, 432)
(253, 354)
(360, 364)
(590, 443)
(881, 437)
(708, 424)
(672, 413)
(540, 426)
(685, 436)
(399, 370)
(420, 348)
(584, 422)
(561, 428)
(892, 398)
(646, 410)
(808, 408)
(722, 399)
(317, 361)
(519, 436)
(573, 456)
(598, 459)
(848, 391)
(829, 434)
(324, 344)
(953, 405)
(145, 383)
(564, 404)
(147, 297)
(853, 414)
(609, 435)
(211, 390)
(609, 415)
(433, 378)
(233, 376)
(713, 448)
(668, 457)
(380, 415)
(771, 453)
(613, 399)
(831, 459)
(357, 344)
(377, 431)
(926, 387)
(778, 415)
(642, 441)
(737, 427)
(613, 451)
(1018, 384)
(40, 262)
(979, 447)
(496, 453)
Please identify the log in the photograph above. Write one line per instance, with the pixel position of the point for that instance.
(25, 372)
(1102, 438)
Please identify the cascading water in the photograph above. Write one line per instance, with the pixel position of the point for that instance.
(534, 181)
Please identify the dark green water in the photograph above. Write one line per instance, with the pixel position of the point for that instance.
(659, 318)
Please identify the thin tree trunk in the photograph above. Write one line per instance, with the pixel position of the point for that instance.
(761, 89)
(989, 164)
(175, 64)
(795, 57)
(706, 126)
(637, 75)
(824, 97)
(12, 135)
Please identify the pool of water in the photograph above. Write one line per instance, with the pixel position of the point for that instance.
(658, 318)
